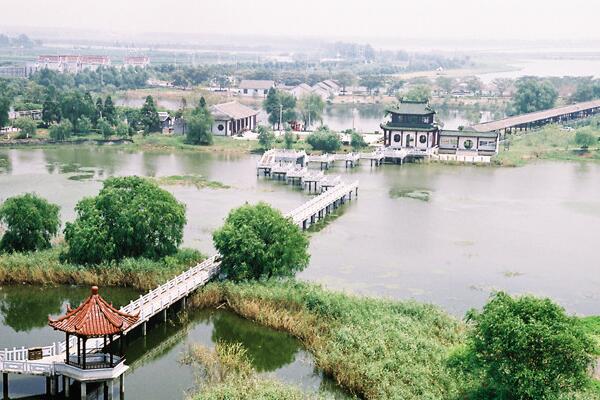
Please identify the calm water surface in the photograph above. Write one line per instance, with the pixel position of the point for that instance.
(449, 235)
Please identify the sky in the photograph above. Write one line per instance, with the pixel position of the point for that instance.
(339, 19)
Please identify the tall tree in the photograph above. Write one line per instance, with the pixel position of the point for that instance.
(149, 116)
(99, 112)
(31, 222)
(4, 108)
(110, 113)
(271, 105)
(502, 85)
(311, 108)
(198, 125)
(51, 110)
(533, 94)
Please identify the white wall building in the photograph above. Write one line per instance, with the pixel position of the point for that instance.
(259, 88)
(232, 118)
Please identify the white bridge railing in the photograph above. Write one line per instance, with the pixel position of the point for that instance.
(16, 360)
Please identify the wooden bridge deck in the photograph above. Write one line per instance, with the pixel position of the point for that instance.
(158, 300)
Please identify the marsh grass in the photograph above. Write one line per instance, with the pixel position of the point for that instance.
(227, 373)
(547, 143)
(45, 268)
(416, 194)
(377, 349)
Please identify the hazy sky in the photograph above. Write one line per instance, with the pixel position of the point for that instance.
(464, 19)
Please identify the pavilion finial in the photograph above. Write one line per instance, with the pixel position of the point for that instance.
(94, 290)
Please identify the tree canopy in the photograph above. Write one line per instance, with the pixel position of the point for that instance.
(149, 119)
(199, 122)
(418, 93)
(130, 217)
(4, 108)
(266, 137)
(526, 348)
(311, 109)
(324, 140)
(258, 242)
(27, 126)
(280, 106)
(533, 94)
(30, 221)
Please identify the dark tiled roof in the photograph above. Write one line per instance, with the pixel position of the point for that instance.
(468, 133)
(411, 108)
(93, 318)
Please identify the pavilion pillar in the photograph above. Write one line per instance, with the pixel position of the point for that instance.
(122, 387)
(110, 390)
(83, 390)
(67, 386)
(67, 349)
(5, 386)
(83, 351)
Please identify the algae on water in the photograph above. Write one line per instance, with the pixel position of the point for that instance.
(190, 180)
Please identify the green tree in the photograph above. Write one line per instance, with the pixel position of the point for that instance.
(84, 124)
(4, 109)
(502, 85)
(324, 140)
(345, 79)
(266, 137)
(30, 222)
(110, 113)
(372, 82)
(271, 105)
(289, 138)
(199, 123)
(149, 116)
(130, 217)
(445, 83)
(104, 128)
(533, 94)
(357, 141)
(51, 111)
(311, 108)
(99, 110)
(526, 348)
(258, 242)
(122, 129)
(27, 126)
(585, 138)
(61, 131)
(418, 93)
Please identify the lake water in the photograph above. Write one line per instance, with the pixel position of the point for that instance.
(24, 317)
(548, 67)
(448, 235)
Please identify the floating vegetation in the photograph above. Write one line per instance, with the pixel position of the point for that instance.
(198, 181)
(82, 177)
(417, 194)
(511, 274)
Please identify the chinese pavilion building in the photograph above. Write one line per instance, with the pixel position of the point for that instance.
(411, 126)
(412, 129)
(97, 321)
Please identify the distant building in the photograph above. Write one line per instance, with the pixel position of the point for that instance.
(232, 118)
(166, 122)
(136, 61)
(301, 90)
(412, 127)
(33, 114)
(13, 71)
(69, 63)
(250, 87)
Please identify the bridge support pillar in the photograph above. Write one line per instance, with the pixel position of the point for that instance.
(164, 315)
(144, 327)
(67, 386)
(183, 304)
(5, 386)
(122, 387)
(83, 390)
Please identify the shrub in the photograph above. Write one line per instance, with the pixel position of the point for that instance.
(526, 348)
(130, 217)
(61, 131)
(31, 222)
(104, 128)
(357, 141)
(266, 137)
(258, 242)
(27, 127)
(584, 138)
(324, 140)
(289, 139)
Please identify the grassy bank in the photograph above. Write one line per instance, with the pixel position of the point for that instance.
(45, 268)
(377, 349)
(159, 142)
(548, 143)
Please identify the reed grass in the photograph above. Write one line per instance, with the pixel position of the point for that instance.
(45, 268)
(375, 348)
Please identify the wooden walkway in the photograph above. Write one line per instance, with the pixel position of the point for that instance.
(157, 301)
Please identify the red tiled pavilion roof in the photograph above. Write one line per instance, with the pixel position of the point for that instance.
(93, 318)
